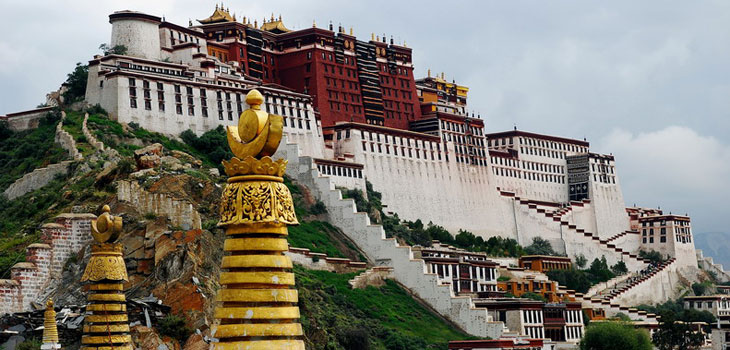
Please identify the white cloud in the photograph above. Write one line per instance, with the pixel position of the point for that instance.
(675, 168)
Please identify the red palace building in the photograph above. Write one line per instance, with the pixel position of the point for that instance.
(349, 79)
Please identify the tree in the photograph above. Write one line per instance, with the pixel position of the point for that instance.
(619, 268)
(113, 50)
(614, 335)
(540, 246)
(673, 334)
(599, 270)
(581, 261)
(76, 83)
(571, 278)
(652, 255)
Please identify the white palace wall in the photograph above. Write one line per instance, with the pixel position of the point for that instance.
(453, 195)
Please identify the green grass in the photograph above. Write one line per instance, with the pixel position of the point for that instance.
(22, 152)
(334, 316)
(315, 236)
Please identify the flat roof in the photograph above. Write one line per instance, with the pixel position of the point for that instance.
(513, 133)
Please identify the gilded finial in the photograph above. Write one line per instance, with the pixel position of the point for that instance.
(314, 24)
(372, 36)
(258, 133)
(280, 17)
(350, 30)
(272, 16)
(255, 23)
(106, 228)
(429, 72)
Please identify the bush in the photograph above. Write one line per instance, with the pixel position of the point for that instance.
(652, 255)
(318, 208)
(29, 344)
(619, 268)
(96, 109)
(581, 261)
(174, 327)
(614, 335)
(355, 339)
(534, 296)
(540, 246)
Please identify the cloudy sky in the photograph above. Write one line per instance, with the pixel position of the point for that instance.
(648, 81)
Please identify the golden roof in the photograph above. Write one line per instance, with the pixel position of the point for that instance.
(219, 15)
(275, 26)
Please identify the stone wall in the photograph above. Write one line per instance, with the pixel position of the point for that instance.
(90, 136)
(181, 213)
(319, 261)
(67, 141)
(44, 262)
(707, 264)
(36, 179)
(372, 240)
(663, 285)
(25, 120)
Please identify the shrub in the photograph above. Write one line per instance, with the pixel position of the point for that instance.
(652, 255)
(318, 208)
(614, 335)
(174, 327)
(619, 268)
(356, 338)
(540, 246)
(29, 344)
(581, 261)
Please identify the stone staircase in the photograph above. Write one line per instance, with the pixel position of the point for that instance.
(639, 279)
(374, 276)
(633, 261)
(383, 251)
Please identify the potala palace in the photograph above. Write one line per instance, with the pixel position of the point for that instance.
(352, 112)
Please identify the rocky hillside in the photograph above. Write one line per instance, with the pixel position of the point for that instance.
(168, 191)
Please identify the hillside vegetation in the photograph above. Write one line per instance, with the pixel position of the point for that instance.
(334, 316)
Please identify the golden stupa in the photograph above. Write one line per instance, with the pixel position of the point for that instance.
(257, 304)
(50, 330)
(106, 326)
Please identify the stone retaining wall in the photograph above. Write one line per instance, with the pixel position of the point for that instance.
(319, 261)
(36, 179)
(409, 272)
(90, 136)
(67, 141)
(182, 214)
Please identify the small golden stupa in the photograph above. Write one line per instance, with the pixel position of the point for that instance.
(257, 304)
(50, 331)
(106, 325)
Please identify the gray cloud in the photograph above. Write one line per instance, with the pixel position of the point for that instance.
(649, 69)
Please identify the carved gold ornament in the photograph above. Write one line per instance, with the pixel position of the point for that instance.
(107, 227)
(106, 263)
(258, 133)
(257, 202)
(253, 166)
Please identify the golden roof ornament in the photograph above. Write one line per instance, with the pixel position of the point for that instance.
(106, 325)
(50, 330)
(257, 303)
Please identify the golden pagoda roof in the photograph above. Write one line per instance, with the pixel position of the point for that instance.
(219, 15)
(275, 26)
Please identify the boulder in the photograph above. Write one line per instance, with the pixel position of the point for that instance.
(148, 157)
(143, 173)
(196, 342)
(214, 172)
(184, 157)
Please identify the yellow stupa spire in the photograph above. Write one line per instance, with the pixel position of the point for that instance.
(106, 325)
(50, 331)
(257, 303)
